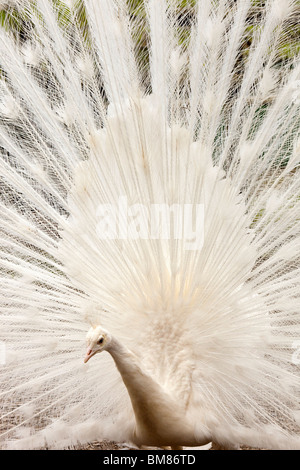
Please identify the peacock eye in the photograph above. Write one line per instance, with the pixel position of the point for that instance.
(100, 341)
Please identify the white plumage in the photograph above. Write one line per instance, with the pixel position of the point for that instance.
(150, 184)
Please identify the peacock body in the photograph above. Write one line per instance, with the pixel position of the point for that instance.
(150, 184)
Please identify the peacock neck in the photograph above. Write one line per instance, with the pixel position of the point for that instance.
(147, 397)
(136, 380)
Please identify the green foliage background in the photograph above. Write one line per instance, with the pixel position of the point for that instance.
(17, 22)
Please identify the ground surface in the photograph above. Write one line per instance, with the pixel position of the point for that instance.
(107, 445)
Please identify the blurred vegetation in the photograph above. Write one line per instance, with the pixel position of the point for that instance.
(18, 22)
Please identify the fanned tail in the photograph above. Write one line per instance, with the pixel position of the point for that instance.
(149, 180)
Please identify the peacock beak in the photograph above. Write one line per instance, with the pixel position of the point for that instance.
(89, 354)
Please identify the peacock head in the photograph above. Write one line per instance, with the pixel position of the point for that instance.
(97, 340)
